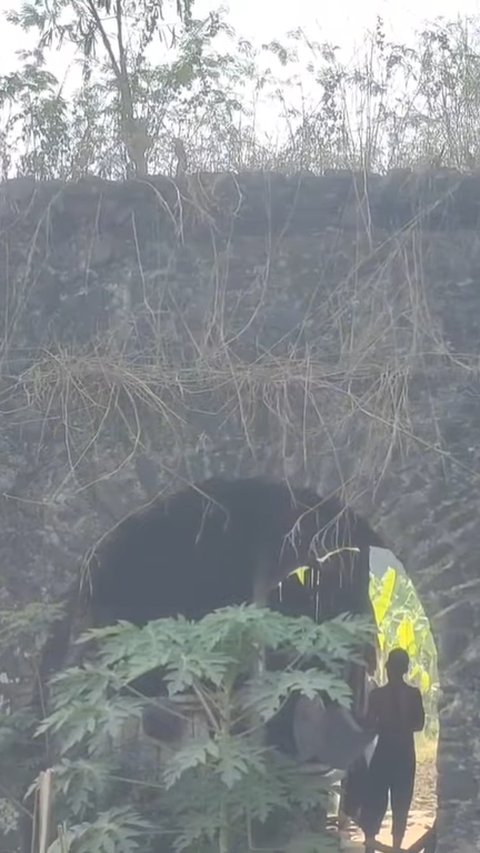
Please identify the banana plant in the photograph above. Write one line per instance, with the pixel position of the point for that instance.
(402, 622)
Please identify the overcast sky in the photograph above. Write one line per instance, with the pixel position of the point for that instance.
(341, 22)
(262, 20)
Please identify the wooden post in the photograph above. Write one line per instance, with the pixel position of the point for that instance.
(45, 797)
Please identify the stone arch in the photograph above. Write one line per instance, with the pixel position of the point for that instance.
(424, 522)
(209, 545)
(286, 526)
(426, 513)
(321, 331)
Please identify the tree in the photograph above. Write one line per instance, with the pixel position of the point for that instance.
(114, 35)
(191, 92)
(35, 122)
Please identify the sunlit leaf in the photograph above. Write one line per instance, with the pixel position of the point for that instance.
(301, 574)
(406, 636)
(425, 681)
(382, 601)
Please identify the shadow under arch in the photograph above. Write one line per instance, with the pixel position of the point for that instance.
(218, 543)
(225, 542)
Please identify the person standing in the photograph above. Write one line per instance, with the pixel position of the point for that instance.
(395, 713)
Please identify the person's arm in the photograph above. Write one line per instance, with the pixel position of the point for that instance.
(371, 718)
(418, 712)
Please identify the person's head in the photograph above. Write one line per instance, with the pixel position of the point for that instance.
(397, 664)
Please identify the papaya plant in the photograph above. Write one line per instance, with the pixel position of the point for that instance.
(221, 786)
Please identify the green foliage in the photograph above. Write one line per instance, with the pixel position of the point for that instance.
(215, 788)
(189, 91)
(85, 24)
(415, 104)
(403, 623)
(118, 830)
(127, 107)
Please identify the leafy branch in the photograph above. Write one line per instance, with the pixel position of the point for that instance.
(212, 789)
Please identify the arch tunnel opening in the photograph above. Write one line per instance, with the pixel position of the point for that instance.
(226, 542)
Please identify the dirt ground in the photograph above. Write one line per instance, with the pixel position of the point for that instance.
(424, 806)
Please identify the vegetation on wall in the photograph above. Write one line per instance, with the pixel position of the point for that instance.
(150, 76)
(207, 89)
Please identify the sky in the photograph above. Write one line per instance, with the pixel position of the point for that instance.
(341, 21)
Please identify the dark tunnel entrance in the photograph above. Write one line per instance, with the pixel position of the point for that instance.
(228, 542)
(224, 543)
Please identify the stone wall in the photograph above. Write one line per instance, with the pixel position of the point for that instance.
(320, 329)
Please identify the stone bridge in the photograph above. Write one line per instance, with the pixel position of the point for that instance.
(323, 331)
